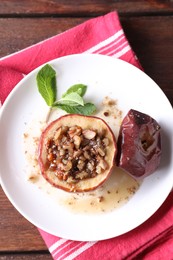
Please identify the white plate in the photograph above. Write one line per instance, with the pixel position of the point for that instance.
(104, 76)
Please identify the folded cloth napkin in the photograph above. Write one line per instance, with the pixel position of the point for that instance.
(154, 238)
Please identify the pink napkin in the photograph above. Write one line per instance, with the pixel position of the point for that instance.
(104, 35)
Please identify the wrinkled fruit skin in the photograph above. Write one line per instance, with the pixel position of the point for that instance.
(139, 144)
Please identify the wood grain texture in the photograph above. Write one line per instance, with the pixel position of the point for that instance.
(152, 41)
(29, 31)
(150, 37)
(16, 233)
(26, 256)
(83, 7)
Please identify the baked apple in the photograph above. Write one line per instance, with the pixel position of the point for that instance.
(77, 153)
(139, 144)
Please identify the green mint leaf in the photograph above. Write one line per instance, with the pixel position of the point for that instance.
(80, 89)
(72, 98)
(86, 110)
(46, 83)
(65, 102)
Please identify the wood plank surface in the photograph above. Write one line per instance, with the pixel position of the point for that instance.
(150, 37)
(83, 8)
(29, 31)
(16, 231)
(152, 40)
(26, 256)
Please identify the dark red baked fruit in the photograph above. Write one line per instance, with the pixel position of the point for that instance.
(139, 144)
(77, 153)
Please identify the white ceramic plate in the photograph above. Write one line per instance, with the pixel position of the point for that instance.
(104, 76)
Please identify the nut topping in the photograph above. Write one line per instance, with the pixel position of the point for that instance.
(75, 154)
(77, 141)
(89, 134)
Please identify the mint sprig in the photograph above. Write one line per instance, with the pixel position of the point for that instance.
(86, 110)
(80, 89)
(46, 82)
(71, 101)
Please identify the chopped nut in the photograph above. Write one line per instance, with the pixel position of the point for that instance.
(90, 166)
(71, 180)
(89, 134)
(60, 166)
(80, 165)
(101, 151)
(86, 155)
(92, 151)
(64, 139)
(64, 129)
(53, 166)
(65, 176)
(82, 158)
(82, 175)
(64, 161)
(50, 157)
(69, 147)
(77, 141)
(98, 169)
(105, 141)
(65, 166)
(59, 174)
(68, 166)
(74, 130)
(103, 164)
(77, 153)
(58, 133)
(98, 141)
(49, 143)
(61, 152)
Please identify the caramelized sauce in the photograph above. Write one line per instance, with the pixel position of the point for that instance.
(115, 192)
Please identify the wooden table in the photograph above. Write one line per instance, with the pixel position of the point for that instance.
(148, 26)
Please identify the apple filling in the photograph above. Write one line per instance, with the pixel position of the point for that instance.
(75, 154)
